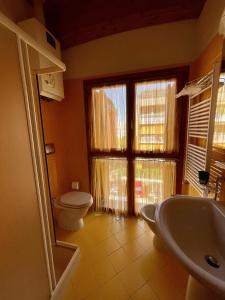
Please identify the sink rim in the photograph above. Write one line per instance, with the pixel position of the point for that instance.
(194, 269)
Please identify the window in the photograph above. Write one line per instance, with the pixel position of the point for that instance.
(109, 184)
(108, 132)
(155, 116)
(133, 140)
(155, 180)
(219, 126)
(108, 118)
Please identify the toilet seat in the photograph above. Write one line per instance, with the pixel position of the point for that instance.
(76, 200)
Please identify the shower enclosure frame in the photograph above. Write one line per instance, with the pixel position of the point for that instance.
(31, 101)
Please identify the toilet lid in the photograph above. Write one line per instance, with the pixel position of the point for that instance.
(76, 199)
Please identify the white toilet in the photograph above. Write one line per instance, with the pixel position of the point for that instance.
(70, 209)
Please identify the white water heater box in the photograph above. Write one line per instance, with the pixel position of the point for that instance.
(50, 85)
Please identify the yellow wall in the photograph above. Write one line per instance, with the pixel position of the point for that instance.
(208, 57)
(149, 47)
(208, 23)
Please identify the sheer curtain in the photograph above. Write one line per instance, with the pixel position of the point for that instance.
(109, 184)
(219, 126)
(155, 180)
(108, 118)
(155, 129)
(108, 133)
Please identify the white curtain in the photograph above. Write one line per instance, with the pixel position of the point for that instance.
(155, 119)
(219, 126)
(108, 118)
(109, 184)
(155, 180)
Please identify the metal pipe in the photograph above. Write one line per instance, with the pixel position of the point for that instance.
(218, 180)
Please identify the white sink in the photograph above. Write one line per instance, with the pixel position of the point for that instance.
(194, 230)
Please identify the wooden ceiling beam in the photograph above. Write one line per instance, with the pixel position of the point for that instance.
(76, 22)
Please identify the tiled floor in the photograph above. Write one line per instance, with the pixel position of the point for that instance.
(120, 262)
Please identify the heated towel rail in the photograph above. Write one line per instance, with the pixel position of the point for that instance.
(201, 116)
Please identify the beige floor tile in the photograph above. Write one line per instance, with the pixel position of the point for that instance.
(127, 235)
(131, 278)
(142, 267)
(84, 282)
(165, 286)
(145, 293)
(145, 241)
(179, 277)
(119, 259)
(101, 234)
(68, 294)
(95, 295)
(142, 223)
(133, 221)
(109, 245)
(114, 289)
(132, 224)
(117, 225)
(149, 263)
(103, 271)
(133, 250)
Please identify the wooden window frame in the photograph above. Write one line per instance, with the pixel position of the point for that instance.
(181, 75)
(219, 153)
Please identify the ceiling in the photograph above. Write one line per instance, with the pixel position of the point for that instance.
(75, 22)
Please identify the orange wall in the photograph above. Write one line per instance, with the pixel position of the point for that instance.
(64, 125)
(75, 132)
(53, 133)
(204, 63)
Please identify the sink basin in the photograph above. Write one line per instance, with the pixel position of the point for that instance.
(193, 228)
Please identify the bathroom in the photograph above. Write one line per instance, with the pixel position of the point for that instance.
(139, 111)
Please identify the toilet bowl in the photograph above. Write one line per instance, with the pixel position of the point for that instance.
(71, 209)
(148, 214)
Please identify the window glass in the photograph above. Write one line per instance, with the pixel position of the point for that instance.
(155, 116)
(108, 118)
(155, 180)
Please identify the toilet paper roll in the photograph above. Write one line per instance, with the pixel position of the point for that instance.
(75, 185)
